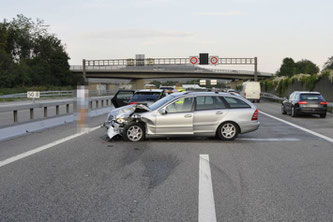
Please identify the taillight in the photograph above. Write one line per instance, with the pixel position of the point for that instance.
(245, 94)
(323, 103)
(255, 115)
(302, 102)
(133, 103)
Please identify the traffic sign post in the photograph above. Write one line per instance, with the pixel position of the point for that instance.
(33, 95)
(194, 60)
(214, 60)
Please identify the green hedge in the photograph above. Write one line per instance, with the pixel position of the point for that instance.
(280, 84)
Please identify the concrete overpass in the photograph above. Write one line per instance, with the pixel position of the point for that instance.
(139, 73)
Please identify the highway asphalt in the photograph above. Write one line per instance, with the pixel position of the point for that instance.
(277, 173)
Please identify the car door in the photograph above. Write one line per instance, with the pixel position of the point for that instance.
(209, 112)
(287, 103)
(177, 118)
(122, 97)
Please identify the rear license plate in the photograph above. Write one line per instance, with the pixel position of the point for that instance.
(312, 105)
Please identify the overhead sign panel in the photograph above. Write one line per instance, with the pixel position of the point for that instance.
(203, 58)
(214, 60)
(213, 82)
(202, 82)
(194, 60)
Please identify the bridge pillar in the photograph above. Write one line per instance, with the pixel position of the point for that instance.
(234, 83)
(138, 83)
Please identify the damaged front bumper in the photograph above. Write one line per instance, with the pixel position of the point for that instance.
(112, 129)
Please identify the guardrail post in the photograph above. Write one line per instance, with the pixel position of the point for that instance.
(102, 103)
(96, 103)
(57, 110)
(67, 108)
(90, 104)
(15, 116)
(45, 111)
(107, 102)
(31, 113)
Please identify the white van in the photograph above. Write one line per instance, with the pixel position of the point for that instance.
(251, 91)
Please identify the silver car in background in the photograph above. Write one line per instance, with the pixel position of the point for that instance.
(187, 113)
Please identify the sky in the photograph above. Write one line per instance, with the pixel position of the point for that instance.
(106, 29)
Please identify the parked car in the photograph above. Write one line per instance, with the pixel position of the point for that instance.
(186, 113)
(251, 91)
(304, 103)
(144, 96)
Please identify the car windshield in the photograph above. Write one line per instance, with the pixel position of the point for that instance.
(161, 102)
(311, 97)
(146, 96)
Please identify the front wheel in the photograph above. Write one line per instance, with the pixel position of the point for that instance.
(323, 115)
(283, 111)
(227, 131)
(134, 132)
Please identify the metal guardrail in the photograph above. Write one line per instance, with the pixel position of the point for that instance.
(100, 102)
(42, 94)
(59, 94)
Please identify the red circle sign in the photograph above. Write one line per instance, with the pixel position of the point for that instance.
(193, 60)
(214, 60)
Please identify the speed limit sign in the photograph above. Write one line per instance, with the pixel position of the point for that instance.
(194, 60)
(33, 94)
(214, 60)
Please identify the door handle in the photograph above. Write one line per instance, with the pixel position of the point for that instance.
(219, 112)
(188, 115)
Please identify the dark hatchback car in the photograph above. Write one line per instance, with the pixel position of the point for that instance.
(304, 103)
(144, 96)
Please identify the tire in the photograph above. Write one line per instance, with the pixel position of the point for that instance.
(227, 131)
(293, 112)
(134, 132)
(258, 101)
(283, 111)
(323, 115)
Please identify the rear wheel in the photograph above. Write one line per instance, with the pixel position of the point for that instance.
(323, 115)
(134, 132)
(227, 131)
(293, 112)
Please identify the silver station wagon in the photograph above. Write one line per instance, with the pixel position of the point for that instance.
(188, 113)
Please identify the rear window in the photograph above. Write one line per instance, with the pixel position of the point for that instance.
(311, 97)
(146, 96)
(235, 103)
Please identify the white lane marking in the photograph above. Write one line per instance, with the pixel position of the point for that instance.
(206, 195)
(299, 127)
(44, 147)
(270, 139)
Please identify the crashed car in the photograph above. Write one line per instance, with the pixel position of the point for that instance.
(186, 113)
(143, 96)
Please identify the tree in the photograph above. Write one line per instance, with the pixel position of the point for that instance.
(307, 67)
(287, 68)
(31, 56)
(329, 63)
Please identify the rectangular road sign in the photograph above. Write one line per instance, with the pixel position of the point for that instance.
(213, 82)
(33, 94)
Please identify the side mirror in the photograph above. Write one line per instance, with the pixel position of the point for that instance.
(163, 111)
(285, 98)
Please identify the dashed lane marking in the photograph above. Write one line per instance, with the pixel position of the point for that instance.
(206, 195)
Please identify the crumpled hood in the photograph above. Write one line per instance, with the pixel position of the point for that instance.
(126, 111)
